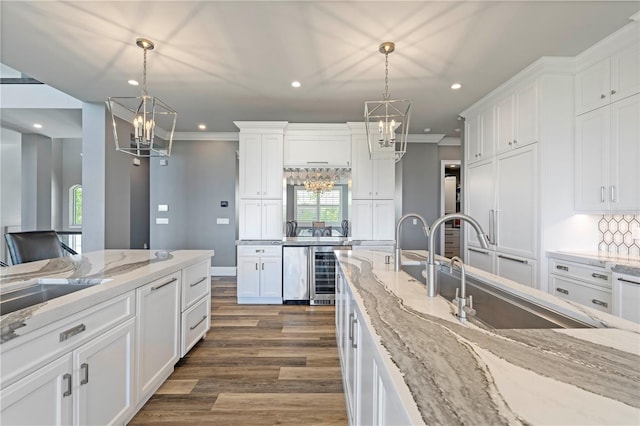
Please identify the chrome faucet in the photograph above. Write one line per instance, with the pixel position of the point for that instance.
(460, 300)
(432, 288)
(398, 251)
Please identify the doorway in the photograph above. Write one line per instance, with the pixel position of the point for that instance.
(450, 196)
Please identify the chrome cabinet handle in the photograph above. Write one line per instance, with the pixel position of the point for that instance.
(67, 377)
(351, 327)
(84, 369)
(198, 323)
(259, 251)
(197, 282)
(158, 287)
(317, 162)
(613, 194)
(602, 190)
(523, 261)
(486, 253)
(491, 218)
(562, 268)
(628, 281)
(603, 96)
(495, 228)
(562, 290)
(600, 276)
(354, 343)
(613, 92)
(599, 302)
(72, 332)
(515, 141)
(263, 266)
(510, 143)
(256, 266)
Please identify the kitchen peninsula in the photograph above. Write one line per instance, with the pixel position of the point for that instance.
(406, 359)
(96, 355)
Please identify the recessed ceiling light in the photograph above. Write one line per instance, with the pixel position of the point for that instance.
(427, 130)
(457, 130)
(37, 125)
(202, 126)
(453, 166)
(295, 84)
(133, 82)
(456, 86)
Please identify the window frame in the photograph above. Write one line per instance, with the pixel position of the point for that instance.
(73, 207)
(318, 205)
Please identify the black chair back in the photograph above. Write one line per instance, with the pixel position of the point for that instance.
(321, 232)
(34, 245)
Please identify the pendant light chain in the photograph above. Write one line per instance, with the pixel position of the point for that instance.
(144, 74)
(386, 77)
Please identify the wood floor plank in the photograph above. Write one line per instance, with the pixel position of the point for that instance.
(259, 365)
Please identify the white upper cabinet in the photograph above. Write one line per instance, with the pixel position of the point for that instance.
(260, 165)
(372, 179)
(317, 145)
(517, 118)
(607, 158)
(608, 80)
(480, 135)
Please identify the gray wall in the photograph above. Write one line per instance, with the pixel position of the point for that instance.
(10, 177)
(36, 182)
(198, 176)
(93, 176)
(139, 203)
(71, 174)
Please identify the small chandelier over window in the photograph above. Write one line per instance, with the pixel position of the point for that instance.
(387, 121)
(143, 126)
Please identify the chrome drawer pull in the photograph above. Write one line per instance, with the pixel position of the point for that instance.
(562, 290)
(197, 282)
(72, 332)
(259, 251)
(628, 281)
(562, 268)
(158, 287)
(354, 343)
(198, 323)
(599, 302)
(84, 367)
(351, 327)
(478, 251)
(67, 377)
(514, 259)
(601, 276)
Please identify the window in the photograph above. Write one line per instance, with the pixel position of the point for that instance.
(75, 206)
(318, 207)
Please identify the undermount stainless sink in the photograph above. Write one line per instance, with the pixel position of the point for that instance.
(45, 290)
(496, 308)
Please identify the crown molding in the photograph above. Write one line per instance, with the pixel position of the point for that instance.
(207, 136)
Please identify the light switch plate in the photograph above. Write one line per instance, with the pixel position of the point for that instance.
(162, 220)
(163, 207)
(222, 221)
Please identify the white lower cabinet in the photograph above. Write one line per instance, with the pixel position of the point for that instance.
(587, 285)
(260, 274)
(373, 220)
(481, 259)
(370, 393)
(518, 269)
(626, 297)
(196, 305)
(158, 332)
(90, 386)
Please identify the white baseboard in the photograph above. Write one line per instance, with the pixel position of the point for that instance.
(223, 271)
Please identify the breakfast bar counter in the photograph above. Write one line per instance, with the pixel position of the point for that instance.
(443, 371)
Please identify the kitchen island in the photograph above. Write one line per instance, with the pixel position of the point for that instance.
(96, 354)
(407, 359)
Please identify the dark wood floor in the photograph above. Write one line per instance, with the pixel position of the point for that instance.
(259, 365)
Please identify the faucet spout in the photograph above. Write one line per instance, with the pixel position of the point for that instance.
(398, 250)
(432, 288)
(464, 305)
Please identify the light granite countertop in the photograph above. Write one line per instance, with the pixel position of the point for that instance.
(116, 271)
(467, 374)
(618, 263)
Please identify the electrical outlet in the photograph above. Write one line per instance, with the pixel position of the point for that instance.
(222, 221)
(415, 221)
(162, 221)
(635, 232)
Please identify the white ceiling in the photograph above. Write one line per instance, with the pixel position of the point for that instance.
(216, 62)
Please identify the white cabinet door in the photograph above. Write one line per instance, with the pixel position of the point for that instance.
(104, 373)
(504, 124)
(472, 139)
(626, 297)
(592, 87)
(625, 73)
(250, 180)
(487, 133)
(481, 259)
(362, 168)
(158, 332)
(250, 227)
(271, 220)
(383, 220)
(592, 138)
(367, 378)
(248, 276)
(271, 277)
(362, 219)
(526, 115)
(351, 361)
(520, 270)
(480, 196)
(272, 184)
(45, 397)
(624, 155)
(516, 202)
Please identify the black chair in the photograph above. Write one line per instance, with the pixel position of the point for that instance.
(35, 245)
(2, 264)
(321, 232)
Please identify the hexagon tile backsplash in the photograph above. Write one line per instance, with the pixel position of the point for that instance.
(616, 234)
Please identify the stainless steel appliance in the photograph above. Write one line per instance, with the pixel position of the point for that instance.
(309, 274)
(323, 274)
(295, 275)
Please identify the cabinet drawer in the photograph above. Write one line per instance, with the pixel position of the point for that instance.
(590, 274)
(63, 336)
(520, 270)
(589, 295)
(195, 323)
(260, 251)
(196, 282)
